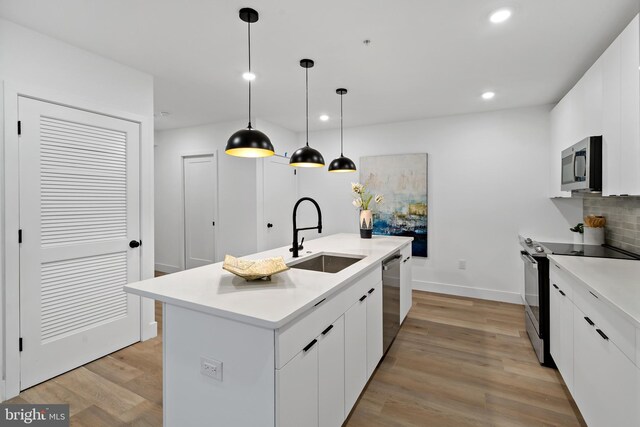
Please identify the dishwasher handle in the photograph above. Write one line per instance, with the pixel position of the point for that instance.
(387, 264)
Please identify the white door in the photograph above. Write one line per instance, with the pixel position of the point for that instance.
(297, 390)
(280, 194)
(79, 211)
(355, 353)
(199, 206)
(374, 328)
(331, 375)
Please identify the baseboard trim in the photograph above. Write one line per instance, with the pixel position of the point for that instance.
(166, 268)
(467, 291)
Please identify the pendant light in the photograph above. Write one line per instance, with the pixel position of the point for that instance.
(342, 163)
(307, 157)
(249, 142)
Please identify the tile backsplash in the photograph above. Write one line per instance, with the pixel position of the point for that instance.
(623, 220)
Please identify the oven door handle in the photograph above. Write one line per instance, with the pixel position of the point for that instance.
(528, 258)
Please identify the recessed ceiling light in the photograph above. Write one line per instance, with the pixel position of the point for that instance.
(249, 76)
(500, 15)
(488, 95)
(324, 117)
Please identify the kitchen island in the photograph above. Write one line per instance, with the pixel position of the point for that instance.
(296, 350)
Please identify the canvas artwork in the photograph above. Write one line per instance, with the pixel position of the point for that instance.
(402, 179)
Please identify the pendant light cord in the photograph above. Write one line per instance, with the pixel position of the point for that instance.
(249, 43)
(341, 128)
(307, 96)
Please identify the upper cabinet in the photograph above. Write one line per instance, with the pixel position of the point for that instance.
(606, 101)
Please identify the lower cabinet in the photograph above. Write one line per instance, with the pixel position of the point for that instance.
(374, 328)
(297, 390)
(355, 352)
(606, 382)
(331, 375)
(406, 282)
(561, 332)
(320, 385)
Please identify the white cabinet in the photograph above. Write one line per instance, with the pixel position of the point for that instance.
(621, 114)
(297, 390)
(374, 328)
(606, 382)
(355, 352)
(630, 109)
(577, 116)
(561, 326)
(310, 387)
(605, 101)
(406, 282)
(611, 139)
(331, 375)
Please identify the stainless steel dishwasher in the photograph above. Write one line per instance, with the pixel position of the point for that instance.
(390, 299)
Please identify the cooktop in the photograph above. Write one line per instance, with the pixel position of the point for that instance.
(597, 251)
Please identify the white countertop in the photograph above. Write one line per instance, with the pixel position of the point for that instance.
(212, 290)
(616, 281)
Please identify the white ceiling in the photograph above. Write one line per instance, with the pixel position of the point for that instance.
(426, 58)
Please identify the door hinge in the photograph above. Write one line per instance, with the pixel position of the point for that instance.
(213, 223)
(19, 127)
(20, 344)
(295, 171)
(20, 236)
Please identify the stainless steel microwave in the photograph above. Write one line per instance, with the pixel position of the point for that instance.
(582, 166)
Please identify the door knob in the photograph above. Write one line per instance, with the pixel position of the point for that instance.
(135, 243)
(269, 225)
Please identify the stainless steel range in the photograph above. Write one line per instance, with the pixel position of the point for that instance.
(536, 285)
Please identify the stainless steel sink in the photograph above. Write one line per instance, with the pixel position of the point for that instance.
(327, 263)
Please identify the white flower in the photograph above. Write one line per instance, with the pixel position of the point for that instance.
(357, 187)
(379, 198)
(357, 202)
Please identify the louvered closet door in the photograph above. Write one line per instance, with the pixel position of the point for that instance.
(79, 209)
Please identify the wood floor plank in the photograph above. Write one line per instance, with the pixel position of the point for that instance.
(457, 361)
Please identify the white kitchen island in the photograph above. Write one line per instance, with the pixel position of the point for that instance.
(294, 351)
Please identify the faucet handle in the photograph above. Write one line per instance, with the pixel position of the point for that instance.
(299, 245)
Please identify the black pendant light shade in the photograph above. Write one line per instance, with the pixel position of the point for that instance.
(307, 157)
(342, 163)
(249, 142)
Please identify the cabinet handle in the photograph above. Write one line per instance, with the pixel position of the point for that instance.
(555, 286)
(362, 298)
(308, 347)
(371, 290)
(319, 302)
(562, 293)
(602, 334)
(408, 258)
(404, 261)
(589, 321)
(594, 295)
(326, 331)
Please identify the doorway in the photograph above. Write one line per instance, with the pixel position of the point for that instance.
(200, 190)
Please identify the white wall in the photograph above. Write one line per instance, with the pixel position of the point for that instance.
(487, 183)
(40, 63)
(239, 202)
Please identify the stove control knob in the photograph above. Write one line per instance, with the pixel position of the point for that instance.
(539, 249)
(528, 241)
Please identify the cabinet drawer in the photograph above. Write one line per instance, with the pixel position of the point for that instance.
(560, 279)
(619, 330)
(292, 338)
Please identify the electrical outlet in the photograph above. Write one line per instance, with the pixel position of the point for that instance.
(462, 264)
(211, 368)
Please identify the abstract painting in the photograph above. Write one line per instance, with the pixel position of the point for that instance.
(402, 179)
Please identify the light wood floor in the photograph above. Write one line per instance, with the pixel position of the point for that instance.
(456, 362)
